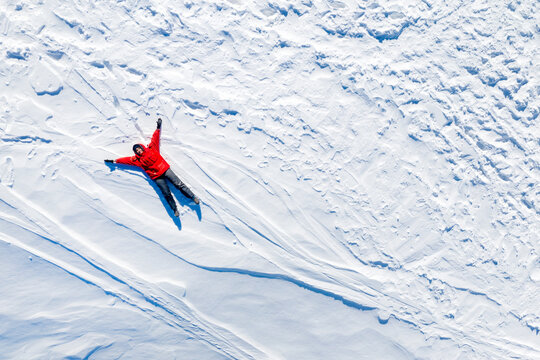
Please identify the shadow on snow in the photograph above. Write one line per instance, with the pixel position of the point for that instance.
(181, 200)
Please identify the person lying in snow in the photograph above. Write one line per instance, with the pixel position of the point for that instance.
(150, 160)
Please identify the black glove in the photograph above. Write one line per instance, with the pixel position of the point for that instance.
(159, 123)
(109, 161)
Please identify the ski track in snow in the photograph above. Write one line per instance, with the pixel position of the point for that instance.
(374, 161)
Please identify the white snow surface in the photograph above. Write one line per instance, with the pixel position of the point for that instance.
(369, 176)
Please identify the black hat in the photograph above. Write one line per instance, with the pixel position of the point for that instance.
(137, 146)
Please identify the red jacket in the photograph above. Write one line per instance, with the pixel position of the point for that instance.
(151, 160)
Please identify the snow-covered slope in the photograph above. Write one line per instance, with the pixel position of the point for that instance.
(369, 175)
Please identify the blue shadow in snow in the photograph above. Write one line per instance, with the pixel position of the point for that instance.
(181, 199)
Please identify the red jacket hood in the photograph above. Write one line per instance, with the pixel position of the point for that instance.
(142, 146)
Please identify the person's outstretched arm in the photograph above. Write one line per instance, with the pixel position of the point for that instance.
(154, 144)
(128, 160)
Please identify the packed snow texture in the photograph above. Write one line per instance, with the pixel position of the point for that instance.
(368, 170)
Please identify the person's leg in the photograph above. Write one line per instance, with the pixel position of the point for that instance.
(161, 182)
(169, 174)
